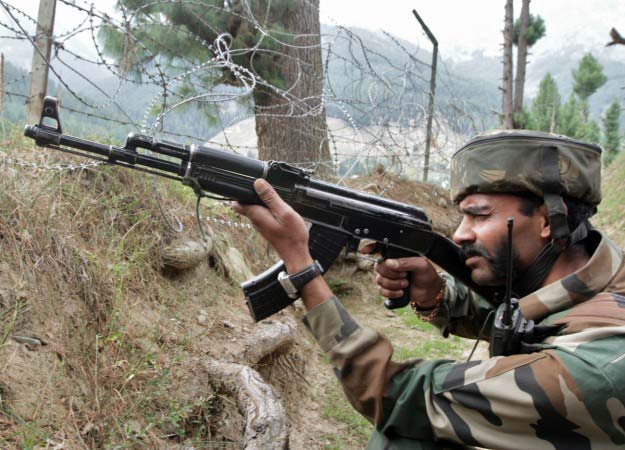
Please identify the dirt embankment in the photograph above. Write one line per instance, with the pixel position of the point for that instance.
(100, 347)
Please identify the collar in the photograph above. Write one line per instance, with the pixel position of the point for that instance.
(579, 286)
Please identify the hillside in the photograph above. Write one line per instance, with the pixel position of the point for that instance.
(103, 345)
(611, 212)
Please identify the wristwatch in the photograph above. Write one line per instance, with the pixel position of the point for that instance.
(293, 284)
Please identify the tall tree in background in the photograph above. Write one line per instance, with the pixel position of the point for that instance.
(544, 112)
(527, 30)
(278, 41)
(611, 132)
(519, 82)
(523, 33)
(588, 77)
(506, 112)
(570, 120)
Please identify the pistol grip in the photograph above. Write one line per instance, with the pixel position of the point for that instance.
(398, 302)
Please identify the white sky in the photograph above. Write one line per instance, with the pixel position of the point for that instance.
(461, 26)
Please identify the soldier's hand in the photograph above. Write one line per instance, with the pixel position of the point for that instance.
(392, 278)
(280, 225)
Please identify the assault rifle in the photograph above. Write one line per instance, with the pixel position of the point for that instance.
(339, 216)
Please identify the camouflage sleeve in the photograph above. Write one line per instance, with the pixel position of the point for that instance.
(550, 399)
(462, 312)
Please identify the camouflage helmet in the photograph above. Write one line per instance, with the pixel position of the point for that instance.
(548, 165)
(520, 160)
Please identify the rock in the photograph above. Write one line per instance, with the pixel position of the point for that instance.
(202, 319)
(186, 254)
(442, 202)
(236, 267)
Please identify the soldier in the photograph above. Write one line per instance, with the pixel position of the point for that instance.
(565, 388)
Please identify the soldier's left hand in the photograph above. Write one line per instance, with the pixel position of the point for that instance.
(280, 225)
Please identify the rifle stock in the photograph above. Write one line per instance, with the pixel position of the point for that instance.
(339, 216)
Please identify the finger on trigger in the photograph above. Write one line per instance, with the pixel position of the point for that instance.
(384, 270)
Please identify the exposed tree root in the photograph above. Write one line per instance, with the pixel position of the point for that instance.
(267, 426)
(269, 336)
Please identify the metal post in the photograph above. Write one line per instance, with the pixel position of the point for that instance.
(428, 131)
(41, 60)
(1, 82)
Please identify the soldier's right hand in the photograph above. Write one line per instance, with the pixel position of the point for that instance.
(392, 278)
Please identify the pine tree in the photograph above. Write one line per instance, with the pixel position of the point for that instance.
(611, 132)
(588, 77)
(570, 118)
(526, 31)
(544, 112)
(275, 47)
(591, 131)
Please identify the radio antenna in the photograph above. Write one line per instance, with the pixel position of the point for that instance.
(507, 317)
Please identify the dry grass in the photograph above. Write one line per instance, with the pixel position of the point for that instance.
(80, 271)
(122, 364)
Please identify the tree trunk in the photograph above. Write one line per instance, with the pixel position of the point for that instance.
(291, 124)
(521, 64)
(554, 108)
(507, 66)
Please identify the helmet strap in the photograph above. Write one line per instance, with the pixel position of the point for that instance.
(553, 188)
(531, 279)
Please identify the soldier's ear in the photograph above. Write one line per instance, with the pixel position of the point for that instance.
(545, 229)
(543, 217)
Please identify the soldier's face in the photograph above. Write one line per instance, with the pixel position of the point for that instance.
(483, 235)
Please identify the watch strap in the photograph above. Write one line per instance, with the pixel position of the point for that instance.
(301, 278)
(293, 284)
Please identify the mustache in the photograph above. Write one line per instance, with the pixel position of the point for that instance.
(469, 250)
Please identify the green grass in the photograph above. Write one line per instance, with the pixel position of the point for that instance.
(433, 345)
(410, 319)
(432, 348)
(338, 408)
(610, 217)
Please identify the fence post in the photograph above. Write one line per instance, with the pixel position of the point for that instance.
(1, 83)
(428, 131)
(41, 60)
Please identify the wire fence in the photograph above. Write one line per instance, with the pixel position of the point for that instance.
(136, 68)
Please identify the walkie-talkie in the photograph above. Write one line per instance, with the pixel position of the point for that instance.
(510, 329)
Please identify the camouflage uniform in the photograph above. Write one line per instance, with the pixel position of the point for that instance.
(568, 395)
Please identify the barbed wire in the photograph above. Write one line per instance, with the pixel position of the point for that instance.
(126, 68)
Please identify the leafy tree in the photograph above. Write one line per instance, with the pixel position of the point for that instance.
(276, 41)
(611, 132)
(588, 77)
(544, 112)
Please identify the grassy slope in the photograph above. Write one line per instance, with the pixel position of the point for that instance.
(122, 364)
(611, 214)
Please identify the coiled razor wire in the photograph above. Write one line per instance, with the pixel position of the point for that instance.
(380, 98)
